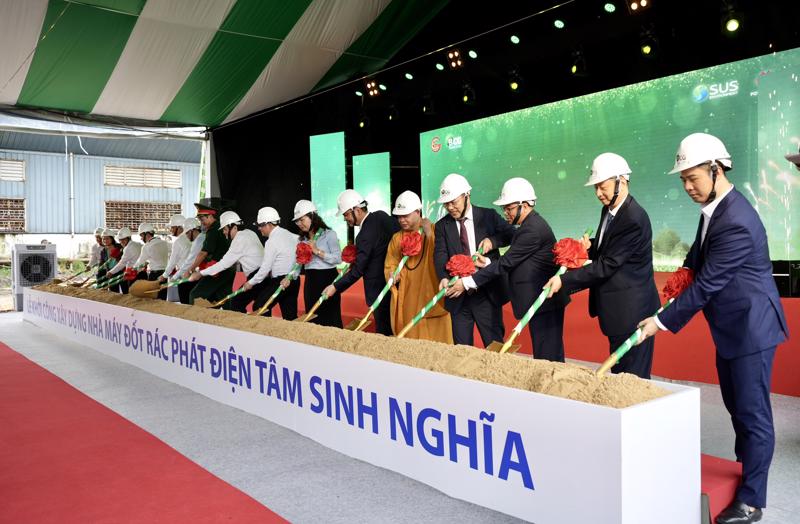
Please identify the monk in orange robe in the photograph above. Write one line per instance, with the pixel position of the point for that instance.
(416, 283)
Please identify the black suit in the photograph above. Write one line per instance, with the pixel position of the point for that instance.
(484, 306)
(529, 265)
(622, 290)
(371, 243)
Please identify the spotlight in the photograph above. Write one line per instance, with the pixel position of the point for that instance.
(731, 19)
(472, 54)
(634, 6)
(468, 95)
(382, 87)
(409, 76)
(372, 88)
(648, 43)
(578, 64)
(559, 24)
(394, 114)
(454, 59)
(609, 7)
(439, 66)
(363, 120)
(514, 39)
(514, 80)
(359, 93)
(427, 105)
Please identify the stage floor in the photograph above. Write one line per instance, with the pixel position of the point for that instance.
(303, 481)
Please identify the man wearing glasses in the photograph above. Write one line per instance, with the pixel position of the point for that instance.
(528, 264)
(215, 245)
(462, 231)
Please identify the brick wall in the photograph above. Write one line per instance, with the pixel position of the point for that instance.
(12, 215)
(131, 214)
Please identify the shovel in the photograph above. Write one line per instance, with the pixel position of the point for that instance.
(218, 303)
(626, 346)
(79, 273)
(357, 324)
(322, 298)
(278, 290)
(151, 290)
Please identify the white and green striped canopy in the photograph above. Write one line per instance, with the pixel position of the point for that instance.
(199, 62)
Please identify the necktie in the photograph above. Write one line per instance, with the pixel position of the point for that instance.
(606, 225)
(463, 236)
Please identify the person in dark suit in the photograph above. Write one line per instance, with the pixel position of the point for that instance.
(528, 263)
(376, 230)
(622, 289)
(734, 287)
(462, 231)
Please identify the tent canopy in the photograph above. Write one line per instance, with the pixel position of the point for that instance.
(193, 62)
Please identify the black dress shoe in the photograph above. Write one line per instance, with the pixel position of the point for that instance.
(738, 513)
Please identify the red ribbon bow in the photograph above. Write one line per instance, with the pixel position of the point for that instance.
(411, 244)
(130, 274)
(570, 253)
(349, 253)
(677, 282)
(460, 266)
(303, 253)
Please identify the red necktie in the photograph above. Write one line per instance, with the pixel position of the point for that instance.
(463, 235)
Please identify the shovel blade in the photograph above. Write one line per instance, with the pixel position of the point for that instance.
(201, 302)
(305, 318)
(496, 347)
(353, 325)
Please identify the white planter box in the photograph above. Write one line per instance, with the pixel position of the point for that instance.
(541, 458)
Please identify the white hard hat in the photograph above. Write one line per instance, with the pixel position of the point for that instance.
(99, 231)
(452, 187)
(109, 233)
(146, 227)
(227, 218)
(515, 189)
(406, 203)
(268, 215)
(176, 221)
(608, 165)
(303, 207)
(191, 223)
(700, 148)
(123, 232)
(348, 199)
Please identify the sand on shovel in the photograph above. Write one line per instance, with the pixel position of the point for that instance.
(552, 378)
(144, 288)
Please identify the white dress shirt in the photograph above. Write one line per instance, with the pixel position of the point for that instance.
(279, 255)
(155, 254)
(94, 258)
(245, 249)
(188, 262)
(180, 248)
(130, 254)
(613, 214)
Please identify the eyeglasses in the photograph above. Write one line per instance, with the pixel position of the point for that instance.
(260, 224)
(510, 208)
(452, 203)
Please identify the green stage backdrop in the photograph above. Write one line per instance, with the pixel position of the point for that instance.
(328, 178)
(371, 178)
(752, 105)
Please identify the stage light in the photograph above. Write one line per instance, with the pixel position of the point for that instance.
(634, 6)
(427, 105)
(514, 39)
(559, 24)
(731, 17)
(609, 7)
(394, 114)
(363, 120)
(514, 79)
(372, 88)
(468, 95)
(732, 25)
(473, 54)
(643, 3)
(359, 93)
(382, 87)
(454, 58)
(648, 43)
(439, 66)
(409, 76)
(578, 64)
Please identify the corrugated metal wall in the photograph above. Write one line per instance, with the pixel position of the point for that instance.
(46, 189)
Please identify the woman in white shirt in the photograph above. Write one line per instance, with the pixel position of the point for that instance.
(321, 271)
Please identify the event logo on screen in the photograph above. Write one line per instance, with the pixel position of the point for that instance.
(435, 144)
(453, 142)
(703, 92)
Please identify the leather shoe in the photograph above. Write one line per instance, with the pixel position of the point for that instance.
(738, 513)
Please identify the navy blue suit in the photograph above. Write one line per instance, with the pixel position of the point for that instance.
(734, 287)
(372, 241)
(528, 263)
(622, 289)
(483, 306)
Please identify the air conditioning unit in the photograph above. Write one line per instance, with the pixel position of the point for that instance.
(31, 265)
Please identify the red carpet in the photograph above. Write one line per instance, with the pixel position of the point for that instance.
(66, 458)
(719, 480)
(689, 355)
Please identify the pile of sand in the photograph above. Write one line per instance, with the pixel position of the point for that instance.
(552, 378)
